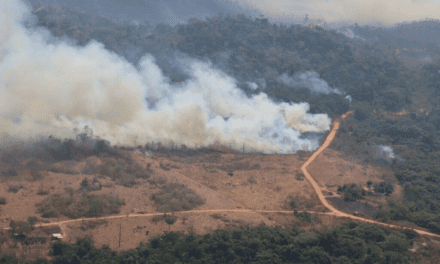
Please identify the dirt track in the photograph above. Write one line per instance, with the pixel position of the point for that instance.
(321, 196)
(333, 211)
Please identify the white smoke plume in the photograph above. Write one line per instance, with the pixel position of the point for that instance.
(385, 153)
(309, 80)
(349, 33)
(253, 86)
(348, 97)
(53, 88)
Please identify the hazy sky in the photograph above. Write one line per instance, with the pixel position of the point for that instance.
(387, 12)
(334, 12)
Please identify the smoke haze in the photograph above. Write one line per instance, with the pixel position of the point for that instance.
(309, 80)
(50, 87)
(345, 12)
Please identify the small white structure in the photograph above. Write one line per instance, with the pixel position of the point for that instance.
(57, 236)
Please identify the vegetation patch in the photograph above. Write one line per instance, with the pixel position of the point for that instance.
(87, 185)
(352, 192)
(304, 216)
(384, 187)
(125, 173)
(67, 167)
(176, 197)
(15, 188)
(299, 176)
(3, 200)
(10, 173)
(79, 206)
(43, 191)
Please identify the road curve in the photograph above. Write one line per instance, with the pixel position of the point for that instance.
(324, 201)
(333, 211)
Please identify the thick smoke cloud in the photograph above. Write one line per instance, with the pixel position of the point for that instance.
(48, 87)
(309, 80)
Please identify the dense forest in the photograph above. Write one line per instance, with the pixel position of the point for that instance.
(349, 243)
(255, 50)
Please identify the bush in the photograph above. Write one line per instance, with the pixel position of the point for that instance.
(32, 220)
(84, 183)
(176, 197)
(300, 176)
(410, 234)
(10, 172)
(383, 187)
(305, 216)
(230, 174)
(292, 204)
(252, 180)
(43, 191)
(75, 207)
(369, 183)
(36, 175)
(90, 168)
(15, 188)
(2, 200)
(352, 192)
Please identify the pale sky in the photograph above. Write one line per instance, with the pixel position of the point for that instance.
(387, 12)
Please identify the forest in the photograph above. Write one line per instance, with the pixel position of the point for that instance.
(255, 50)
(349, 243)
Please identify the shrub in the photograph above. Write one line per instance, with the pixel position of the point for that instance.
(36, 175)
(85, 205)
(230, 174)
(292, 204)
(305, 216)
(300, 176)
(165, 167)
(43, 191)
(176, 197)
(383, 187)
(32, 220)
(252, 180)
(369, 183)
(352, 192)
(10, 172)
(410, 234)
(15, 188)
(90, 168)
(84, 183)
(2, 200)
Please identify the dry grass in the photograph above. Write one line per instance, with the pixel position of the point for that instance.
(49, 230)
(66, 167)
(86, 225)
(237, 165)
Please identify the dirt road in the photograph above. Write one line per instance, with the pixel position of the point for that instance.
(321, 195)
(333, 211)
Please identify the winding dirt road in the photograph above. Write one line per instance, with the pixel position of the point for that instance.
(321, 195)
(333, 211)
